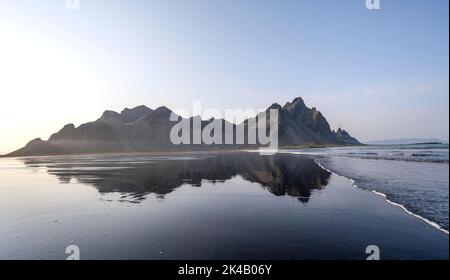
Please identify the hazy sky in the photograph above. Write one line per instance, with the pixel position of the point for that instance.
(378, 74)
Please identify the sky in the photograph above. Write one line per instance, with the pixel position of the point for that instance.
(376, 73)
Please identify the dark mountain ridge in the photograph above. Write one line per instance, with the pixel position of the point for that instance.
(142, 129)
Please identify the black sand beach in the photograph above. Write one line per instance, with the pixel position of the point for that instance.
(232, 205)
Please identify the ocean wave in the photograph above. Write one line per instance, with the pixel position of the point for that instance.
(433, 224)
(396, 157)
(380, 157)
(424, 155)
(362, 153)
(406, 210)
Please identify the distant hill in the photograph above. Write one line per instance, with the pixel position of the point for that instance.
(405, 141)
(142, 129)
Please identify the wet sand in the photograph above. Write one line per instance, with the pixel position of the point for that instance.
(199, 206)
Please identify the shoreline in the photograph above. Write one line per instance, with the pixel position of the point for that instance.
(406, 210)
(231, 149)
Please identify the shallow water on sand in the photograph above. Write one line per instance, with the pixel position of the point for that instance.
(232, 205)
(415, 176)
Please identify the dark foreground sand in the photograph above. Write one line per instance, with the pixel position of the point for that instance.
(216, 206)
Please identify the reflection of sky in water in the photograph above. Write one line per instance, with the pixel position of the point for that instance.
(219, 206)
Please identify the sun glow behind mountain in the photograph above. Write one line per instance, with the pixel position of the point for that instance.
(38, 75)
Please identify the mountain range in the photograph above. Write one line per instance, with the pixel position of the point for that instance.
(142, 129)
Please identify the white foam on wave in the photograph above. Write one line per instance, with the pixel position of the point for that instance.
(353, 182)
(433, 224)
(374, 156)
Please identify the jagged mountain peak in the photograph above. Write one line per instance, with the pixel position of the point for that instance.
(163, 109)
(35, 140)
(295, 104)
(345, 137)
(63, 132)
(298, 100)
(109, 113)
(137, 108)
(159, 115)
(69, 126)
(275, 106)
(130, 115)
(342, 131)
(111, 118)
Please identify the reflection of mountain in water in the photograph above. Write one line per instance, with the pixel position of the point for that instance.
(138, 175)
